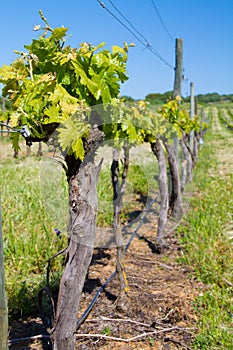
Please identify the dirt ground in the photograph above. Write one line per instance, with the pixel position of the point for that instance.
(161, 294)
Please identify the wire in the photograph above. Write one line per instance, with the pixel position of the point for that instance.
(126, 19)
(146, 44)
(185, 79)
(160, 57)
(122, 23)
(24, 130)
(162, 22)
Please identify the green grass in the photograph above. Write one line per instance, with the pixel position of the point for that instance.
(34, 197)
(208, 250)
(142, 183)
(29, 237)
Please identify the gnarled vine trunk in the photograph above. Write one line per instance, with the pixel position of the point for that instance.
(189, 163)
(157, 149)
(195, 146)
(184, 175)
(82, 230)
(40, 150)
(118, 192)
(175, 200)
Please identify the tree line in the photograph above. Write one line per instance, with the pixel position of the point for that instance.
(160, 98)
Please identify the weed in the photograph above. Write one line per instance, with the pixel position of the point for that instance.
(106, 330)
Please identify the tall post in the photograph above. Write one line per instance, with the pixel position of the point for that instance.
(3, 301)
(178, 79)
(178, 68)
(175, 196)
(192, 112)
(3, 109)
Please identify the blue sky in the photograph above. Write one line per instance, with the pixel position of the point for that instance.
(205, 26)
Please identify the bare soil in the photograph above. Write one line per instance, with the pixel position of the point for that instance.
(160, 311)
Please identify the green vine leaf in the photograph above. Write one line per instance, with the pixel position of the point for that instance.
(71, 134)
(51, 82)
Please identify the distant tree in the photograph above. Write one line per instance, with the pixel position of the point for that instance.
(212, 97)
(158, 98)
(127, 98)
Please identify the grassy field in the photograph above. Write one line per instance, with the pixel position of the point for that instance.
(29, 237)
(207, 234)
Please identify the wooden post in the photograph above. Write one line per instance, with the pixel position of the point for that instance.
(178, 79)
(3, 110)
(201, 129)
(178, 68)
(175, 196)
(3, 301)
(192, 111)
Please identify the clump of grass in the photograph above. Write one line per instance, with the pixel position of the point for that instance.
(106, 330)
(28, 230)
(207, 248)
